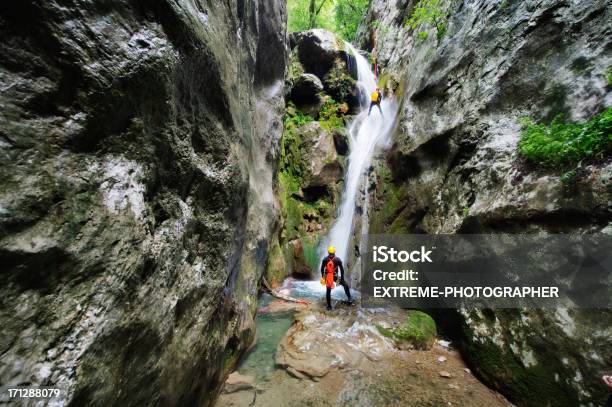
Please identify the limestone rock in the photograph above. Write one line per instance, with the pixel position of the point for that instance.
(300, 268)
(137, 147)
(321, 53)
(341, 142)
(323, 167)
(319, 341)
(453, 167)
(306, 90)
(238, 382)
(317, 50)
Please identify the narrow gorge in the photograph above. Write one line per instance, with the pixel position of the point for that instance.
(173, 172)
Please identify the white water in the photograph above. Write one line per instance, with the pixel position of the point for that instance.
(366, 132)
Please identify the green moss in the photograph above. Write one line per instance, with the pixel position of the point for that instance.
(311, 256)
(419, 329)
(389, 214)
(609, 75)
(339, 83)
(330, 116)
(559, 145)
(275, 270)
(505, 371)
(291, 160)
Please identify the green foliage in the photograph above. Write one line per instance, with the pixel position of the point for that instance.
(429, 12)
(291, 155)
(340, 16)
(419, 329)
(568, 176)
(301, 18)
(423, 35)
(348, 16)
(294, 118)
(329, 115)
(609, 75)
(559, 145)
(338, 83)
(378, 26)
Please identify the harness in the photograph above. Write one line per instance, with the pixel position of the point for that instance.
(330, 269)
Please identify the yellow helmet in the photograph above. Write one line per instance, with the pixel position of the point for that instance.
(331, 250)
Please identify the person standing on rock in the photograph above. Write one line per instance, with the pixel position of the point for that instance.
(375, 101)
(329, 275)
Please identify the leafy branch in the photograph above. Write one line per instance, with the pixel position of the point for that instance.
(429, 12)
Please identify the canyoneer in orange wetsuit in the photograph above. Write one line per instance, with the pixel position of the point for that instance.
(329, 275)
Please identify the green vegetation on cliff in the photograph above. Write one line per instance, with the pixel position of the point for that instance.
(429, 12)
(559, 144)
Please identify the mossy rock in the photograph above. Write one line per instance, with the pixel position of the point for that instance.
(418, 331)
(341, 86)
(276, 269)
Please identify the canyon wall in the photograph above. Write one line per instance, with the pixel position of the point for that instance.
(454, 168)
(138, 144)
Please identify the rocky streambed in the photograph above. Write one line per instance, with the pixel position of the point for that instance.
(348, 357)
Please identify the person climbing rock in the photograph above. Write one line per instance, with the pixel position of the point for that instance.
(375, 101)
(329, 275)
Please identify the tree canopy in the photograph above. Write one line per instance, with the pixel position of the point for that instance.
(340, 16)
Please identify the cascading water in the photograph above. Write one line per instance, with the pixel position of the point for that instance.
(366, 132)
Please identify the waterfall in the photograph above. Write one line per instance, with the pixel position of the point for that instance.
(365, 132)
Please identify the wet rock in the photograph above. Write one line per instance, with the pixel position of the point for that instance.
(320, 341)
(341, 142)
(280, 306)
(237, 382)
(300, 268)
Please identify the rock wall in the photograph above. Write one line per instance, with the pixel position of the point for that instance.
(454, 168)
(138, 142)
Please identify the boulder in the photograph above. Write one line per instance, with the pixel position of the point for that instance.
(306, 90)
(341, 142)
(238, 382)
(300, 268)
(321, 53)
(340, 85)
(322, 167)
(311, 348)
(317, 50)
